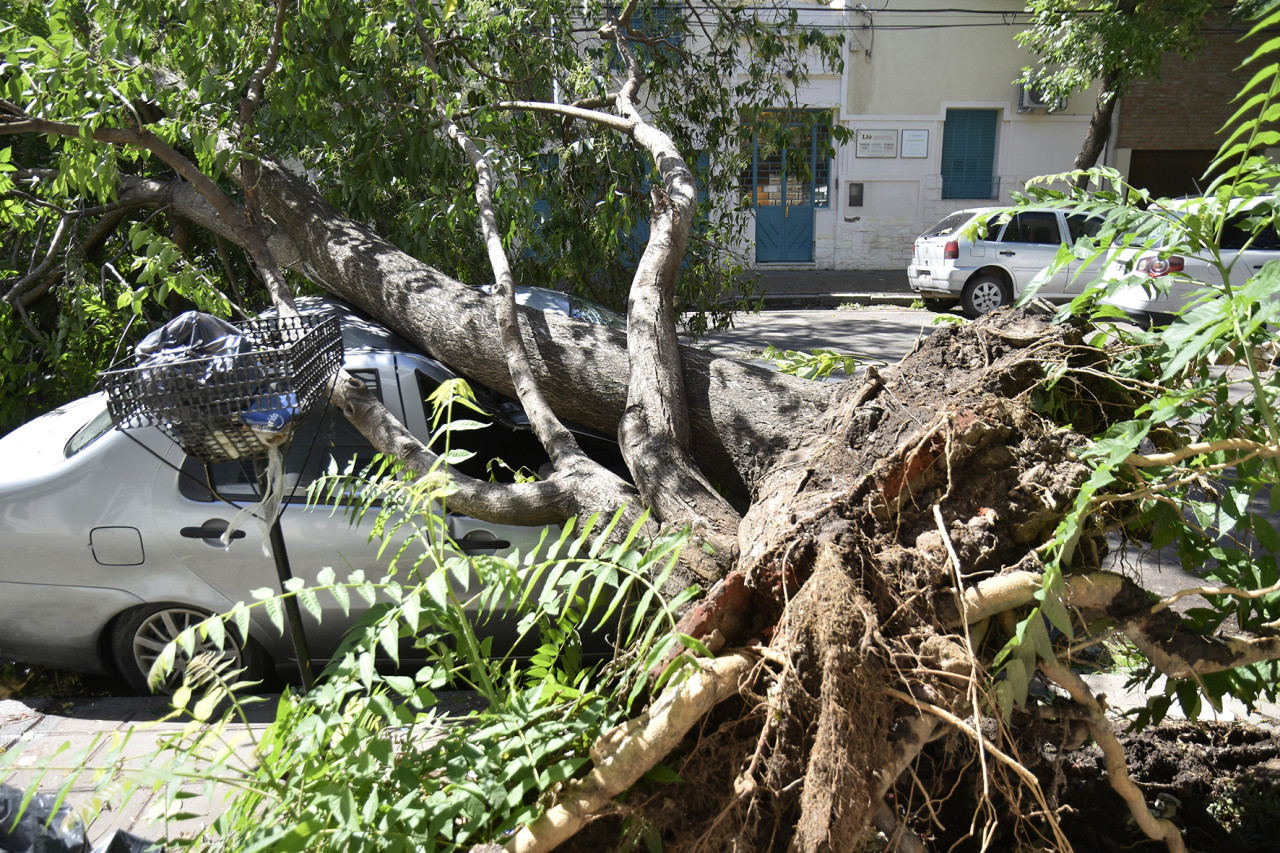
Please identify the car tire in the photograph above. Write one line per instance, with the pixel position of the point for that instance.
(140, 634)
(984, 294)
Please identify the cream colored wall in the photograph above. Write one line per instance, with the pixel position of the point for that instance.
(898, 79)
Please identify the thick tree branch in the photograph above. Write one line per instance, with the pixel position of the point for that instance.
(1159, 633)
(18, 290)
(740, 413)
(654, 430)
(541, 502)
(247, 235)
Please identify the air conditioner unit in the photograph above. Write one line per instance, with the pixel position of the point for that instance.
(1032, 98)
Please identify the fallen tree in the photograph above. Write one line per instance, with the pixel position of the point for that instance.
(900, 553)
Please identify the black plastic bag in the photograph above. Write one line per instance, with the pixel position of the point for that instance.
(190, 355)
(34, 832)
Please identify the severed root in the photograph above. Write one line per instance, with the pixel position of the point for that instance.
(632, 749)
(1113, 753)
(903, 840)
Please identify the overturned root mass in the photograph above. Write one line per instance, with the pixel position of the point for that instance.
(855, 594)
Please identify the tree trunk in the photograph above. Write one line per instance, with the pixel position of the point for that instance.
(877, 513)
(741, 415)
(1099, 130)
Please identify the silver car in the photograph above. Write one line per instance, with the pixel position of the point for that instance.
(974, 258)
(1160, 284)
(109, 539)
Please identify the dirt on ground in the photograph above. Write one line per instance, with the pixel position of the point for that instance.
(1219, 782)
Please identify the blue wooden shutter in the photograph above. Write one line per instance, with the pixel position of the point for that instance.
(969, 154)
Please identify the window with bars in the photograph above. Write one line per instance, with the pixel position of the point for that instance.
(791, 161)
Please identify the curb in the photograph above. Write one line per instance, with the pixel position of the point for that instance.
(835, 300)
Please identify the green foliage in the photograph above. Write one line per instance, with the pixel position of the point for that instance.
(1210, 402)
(1113, 42)
(817, 364)
(352, 104)
(368, 760)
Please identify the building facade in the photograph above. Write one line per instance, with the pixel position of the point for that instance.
(939, 125)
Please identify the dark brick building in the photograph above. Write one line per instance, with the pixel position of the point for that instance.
(1169, 128)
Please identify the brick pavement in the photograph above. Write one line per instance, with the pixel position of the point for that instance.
(95, 747)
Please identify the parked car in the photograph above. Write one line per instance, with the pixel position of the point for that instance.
(1162, 283)
(567, 305)
(109, 539)
(973, 258)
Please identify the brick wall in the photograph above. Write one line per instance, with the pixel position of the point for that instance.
(1184, 109)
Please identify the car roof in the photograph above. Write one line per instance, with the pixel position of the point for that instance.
(359, 331)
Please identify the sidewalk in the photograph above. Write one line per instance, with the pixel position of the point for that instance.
(44, 741)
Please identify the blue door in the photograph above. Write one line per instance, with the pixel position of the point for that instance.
(784, 177)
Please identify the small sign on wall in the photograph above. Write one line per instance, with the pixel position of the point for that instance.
(876, 143)
(915, 143)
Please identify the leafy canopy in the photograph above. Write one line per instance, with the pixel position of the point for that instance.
(1116, 42)
(350, 101)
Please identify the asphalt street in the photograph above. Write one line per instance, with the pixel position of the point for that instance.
(883, 334)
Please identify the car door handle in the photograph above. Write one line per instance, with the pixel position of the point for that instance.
(1006, 253)
(211, 529)
(467, 546)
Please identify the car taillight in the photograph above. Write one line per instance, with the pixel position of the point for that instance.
(951, 251)
(1157, 267)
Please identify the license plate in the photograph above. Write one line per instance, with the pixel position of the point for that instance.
(924, 278)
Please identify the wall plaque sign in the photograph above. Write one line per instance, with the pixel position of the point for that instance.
(876, 143)
(915, 143)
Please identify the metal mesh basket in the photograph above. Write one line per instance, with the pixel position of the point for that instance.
(237, 406)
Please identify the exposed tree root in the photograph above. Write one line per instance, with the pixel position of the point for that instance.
(878, 600)
(1117, 771)
(627, 752)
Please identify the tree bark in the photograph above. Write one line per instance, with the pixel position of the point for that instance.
(741, 415)
(1098, 132)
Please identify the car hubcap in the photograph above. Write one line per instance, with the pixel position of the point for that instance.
(160, 629)
(987, 296)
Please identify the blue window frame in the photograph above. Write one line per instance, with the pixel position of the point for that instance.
(969, 154)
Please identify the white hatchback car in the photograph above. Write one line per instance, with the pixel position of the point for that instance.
(109, 539)
(971, 257)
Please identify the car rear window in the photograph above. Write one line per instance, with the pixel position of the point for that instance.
(950, 225)
(1036, 227)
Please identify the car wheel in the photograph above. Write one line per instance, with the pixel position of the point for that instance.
(141, 634)
(984, 294)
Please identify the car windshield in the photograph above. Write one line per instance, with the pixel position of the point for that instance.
(98, 426)
(594, 312)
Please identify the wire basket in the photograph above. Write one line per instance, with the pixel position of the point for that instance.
(232, 406)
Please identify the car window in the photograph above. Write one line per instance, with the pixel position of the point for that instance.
(1080, 225)
(325, 434)
(95, 429)
(494, 443)
(949, 225)
(1235, 236)
(592, 312)
(1039, 227)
